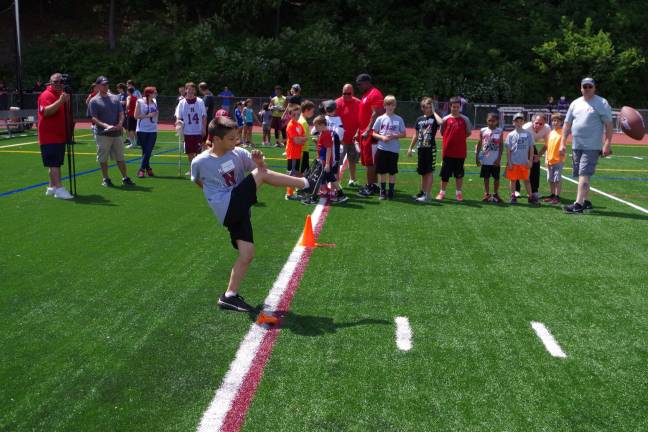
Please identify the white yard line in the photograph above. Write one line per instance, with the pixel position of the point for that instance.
(214, 416)
(607, 195)
(403, 333)
(548, 340)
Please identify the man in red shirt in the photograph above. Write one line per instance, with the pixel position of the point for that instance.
(348, 108)
(53, 134)
(371, 106)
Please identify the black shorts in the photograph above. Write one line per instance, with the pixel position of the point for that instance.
(386, 162)
(53, 155)
(293, 166)
(488, 171)
(237, 220)
(426, 160)
(452, 167)
(305, 161)
(131, 124)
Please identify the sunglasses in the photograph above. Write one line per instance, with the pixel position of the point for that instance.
(347, 94)
(588, 86)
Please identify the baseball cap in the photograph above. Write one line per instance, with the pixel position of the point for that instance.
(101, 80)
(296, 87)
(588, 80)
(363, 77)
(221, 113)
(518, 116)
(329, 105)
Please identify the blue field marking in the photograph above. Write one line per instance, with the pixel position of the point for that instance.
(34, 186)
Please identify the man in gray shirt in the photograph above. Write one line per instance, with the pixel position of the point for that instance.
(587, 118)
(108, 118)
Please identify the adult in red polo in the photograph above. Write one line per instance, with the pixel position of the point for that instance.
(348, 108)
(371, 106)
(52, 134)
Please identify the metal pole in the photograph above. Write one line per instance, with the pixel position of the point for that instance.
(19, 86)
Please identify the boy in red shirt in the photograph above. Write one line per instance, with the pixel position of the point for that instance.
(455, 130)
(326, 156)
(295, 143)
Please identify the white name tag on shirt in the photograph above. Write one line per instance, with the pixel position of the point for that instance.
(228, 166)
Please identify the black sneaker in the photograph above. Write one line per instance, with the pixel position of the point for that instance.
(235, 303)
(573, 208)
(383, 195)
(107, 183)
(587, 205)
(365, 191)
(374, 188)
(314, 177)
(390, 195)
(533, 202)
(310, 200)
(126, 181)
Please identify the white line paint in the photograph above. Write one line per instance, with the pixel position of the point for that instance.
(403, 334)
(607, 195)
(213, 417)
(548, 340)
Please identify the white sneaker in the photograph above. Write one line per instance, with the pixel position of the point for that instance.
(62, 193)
(517, 194)
(50, 191)
(423, 198)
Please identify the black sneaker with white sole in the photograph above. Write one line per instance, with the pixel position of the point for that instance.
(107, 183)
(126, 181)
(587, 205)
(235, 303)
(573, 208)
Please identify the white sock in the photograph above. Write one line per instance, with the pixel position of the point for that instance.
(306, 184)
(457, 192)
(229, 294)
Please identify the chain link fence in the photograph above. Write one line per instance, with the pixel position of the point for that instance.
(408, 110)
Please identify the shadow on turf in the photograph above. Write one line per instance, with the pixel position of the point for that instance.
(92, 199)
(310, 325)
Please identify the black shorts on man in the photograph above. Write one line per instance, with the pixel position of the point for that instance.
(237, 219)
(53, 155)
(386, 162)
(131, 124)
(488, 171)
(426, 160)
(452, 167)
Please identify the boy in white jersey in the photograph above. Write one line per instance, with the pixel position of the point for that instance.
(488, 155)
(191, 117)
(220, 173)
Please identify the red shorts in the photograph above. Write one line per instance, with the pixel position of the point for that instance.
(193, 144)
(518, 172)
(367, 150)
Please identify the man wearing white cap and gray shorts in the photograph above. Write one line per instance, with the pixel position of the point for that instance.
(588, 117)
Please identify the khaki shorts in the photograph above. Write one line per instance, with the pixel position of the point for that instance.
(109, 147)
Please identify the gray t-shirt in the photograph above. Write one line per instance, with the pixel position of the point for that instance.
(519, 142)
(107, 109)
(389, 125)
(541, 135)
(221, 174)
(588, 120)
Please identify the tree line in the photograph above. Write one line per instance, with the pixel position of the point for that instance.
(500, 52)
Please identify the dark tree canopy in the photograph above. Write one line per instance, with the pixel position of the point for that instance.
(509, 51)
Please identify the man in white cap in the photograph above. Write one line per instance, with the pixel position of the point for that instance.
(588, 117)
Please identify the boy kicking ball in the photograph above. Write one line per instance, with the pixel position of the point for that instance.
(221, 173)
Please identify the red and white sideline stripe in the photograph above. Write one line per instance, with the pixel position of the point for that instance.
(227, 410)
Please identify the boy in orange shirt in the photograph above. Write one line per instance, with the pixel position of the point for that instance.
(296, 140)
(554, 159)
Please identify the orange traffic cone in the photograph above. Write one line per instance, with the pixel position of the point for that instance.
(308, 238)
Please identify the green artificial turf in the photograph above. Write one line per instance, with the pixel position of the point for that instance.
(109, 319)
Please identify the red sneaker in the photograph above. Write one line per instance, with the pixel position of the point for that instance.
(149, 172)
